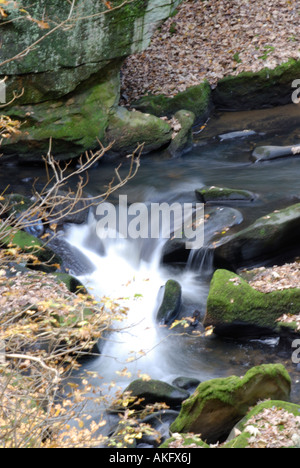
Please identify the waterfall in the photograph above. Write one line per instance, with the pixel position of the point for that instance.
(130, 272)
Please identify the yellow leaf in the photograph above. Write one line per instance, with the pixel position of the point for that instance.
(3, 13)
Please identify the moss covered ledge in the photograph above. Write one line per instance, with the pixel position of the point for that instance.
(232, 300)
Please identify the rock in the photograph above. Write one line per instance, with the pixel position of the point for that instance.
(223, 195)
(270, 235)
(217, 405)
(49, 261)
(240, 437)
(156, 391)
(234, 308)
(196, 99)
(160, 421)
(217, 221)
(171, 303)
(185, 383)
(266, 88)
(127, 129)
(73, 284)
(19, 208)
(182, 142)
(71, 79)
(237, 134)
(268, 153)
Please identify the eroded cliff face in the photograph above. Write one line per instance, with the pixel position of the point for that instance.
(69, 77)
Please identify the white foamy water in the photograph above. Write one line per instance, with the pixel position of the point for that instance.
(122, 274)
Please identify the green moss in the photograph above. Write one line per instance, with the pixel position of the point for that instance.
(31, 245)
(218, 404)
(211, 194)
(250, 90)
(73, 284)
(127, 129)
(231, 299)
(196, 99)
(170, 306)
(74, 123)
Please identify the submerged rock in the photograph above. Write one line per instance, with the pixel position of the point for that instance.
(237, 134)
(223, 195)
(236, 309)
(171, 303)
(217, 405)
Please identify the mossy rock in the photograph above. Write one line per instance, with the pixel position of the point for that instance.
(74, 123)
(49, 261)
(156, 391)
(269, 235)
(242, 440)
(171, 303)
(249, 90)
(128, 129)
(217, 405)
(233, 306)
(184, 139)
(196, 99)
(224, 195)
(69, 84)
(186, 440)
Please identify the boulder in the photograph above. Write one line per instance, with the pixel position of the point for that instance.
(69, 83)
(127, 129)
(156, 391)
(171, 303)
(270, 235)
(236, 309)
(217, 405)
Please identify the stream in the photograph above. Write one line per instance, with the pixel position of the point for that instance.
(132, 273)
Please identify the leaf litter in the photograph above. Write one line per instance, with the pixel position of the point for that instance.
(211, 39)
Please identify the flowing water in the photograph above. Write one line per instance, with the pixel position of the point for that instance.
(132, 272)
